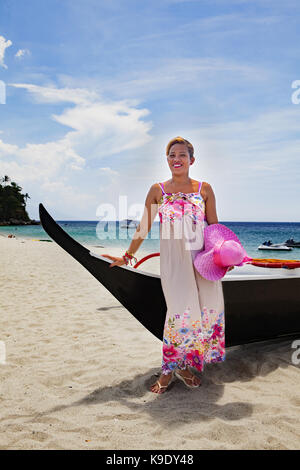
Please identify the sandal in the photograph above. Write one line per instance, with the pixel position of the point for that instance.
(184, 379)
(162, 386)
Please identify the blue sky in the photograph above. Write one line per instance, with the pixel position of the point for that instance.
(96, 88)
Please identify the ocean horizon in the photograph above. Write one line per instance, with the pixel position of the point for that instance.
(108, 234)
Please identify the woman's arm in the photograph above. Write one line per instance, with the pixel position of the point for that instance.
(210, 209)
(150, 211)
(210, 205)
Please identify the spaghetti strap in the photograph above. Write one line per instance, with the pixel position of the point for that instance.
(200, 184)
(162, 187)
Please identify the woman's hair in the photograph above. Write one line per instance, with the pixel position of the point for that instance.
(180, 140)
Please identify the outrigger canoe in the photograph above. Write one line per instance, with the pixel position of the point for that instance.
(257, 308)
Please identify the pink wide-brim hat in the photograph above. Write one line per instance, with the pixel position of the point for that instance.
(222, 249)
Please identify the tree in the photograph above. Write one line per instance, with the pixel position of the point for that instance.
(12, 201)
(5, 179)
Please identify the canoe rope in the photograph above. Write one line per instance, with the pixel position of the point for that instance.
(261, 262)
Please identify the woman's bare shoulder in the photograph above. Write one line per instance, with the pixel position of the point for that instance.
(206, 190)
(156, 192)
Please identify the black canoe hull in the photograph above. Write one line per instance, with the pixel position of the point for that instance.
(255, 309)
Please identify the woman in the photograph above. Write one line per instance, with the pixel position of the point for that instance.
(194, 331)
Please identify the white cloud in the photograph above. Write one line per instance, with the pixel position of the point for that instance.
(98, 129)
(259, 149)
(22, 52)
(36, 162)
(66, 193)
(79, 96)
(7, 149)
(103, 129)
(3, 46)
(224, 24)
(173, 74)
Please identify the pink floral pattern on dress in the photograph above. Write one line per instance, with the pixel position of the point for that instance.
(203, 343)
(176, 205)
(194, 332)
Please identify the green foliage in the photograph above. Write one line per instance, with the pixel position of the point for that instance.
(12, 201)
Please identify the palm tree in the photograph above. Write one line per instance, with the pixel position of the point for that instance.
(5, 179)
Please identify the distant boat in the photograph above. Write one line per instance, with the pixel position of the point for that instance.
(292, 243)
(129, 223)
(274, 246)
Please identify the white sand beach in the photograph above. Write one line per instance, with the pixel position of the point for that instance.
(79, 367)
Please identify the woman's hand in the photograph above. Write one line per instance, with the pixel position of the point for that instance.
(116, 260)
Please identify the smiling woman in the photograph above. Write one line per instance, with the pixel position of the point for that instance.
(194, 331)
(179, 140)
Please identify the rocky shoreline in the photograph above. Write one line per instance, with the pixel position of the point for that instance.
(19, 222)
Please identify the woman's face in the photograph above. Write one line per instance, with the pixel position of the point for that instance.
(179, 159)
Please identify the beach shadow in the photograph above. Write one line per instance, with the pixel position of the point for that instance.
(182, 405)
(104, 309)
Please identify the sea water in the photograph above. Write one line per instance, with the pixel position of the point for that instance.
(111, 234)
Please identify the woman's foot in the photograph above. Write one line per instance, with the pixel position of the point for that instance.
(162, 383)
(190, 379)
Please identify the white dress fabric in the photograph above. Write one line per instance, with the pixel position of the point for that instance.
(194, 331)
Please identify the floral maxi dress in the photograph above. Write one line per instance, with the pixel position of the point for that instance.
(194, 331)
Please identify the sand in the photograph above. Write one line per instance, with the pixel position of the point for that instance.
(79, 367)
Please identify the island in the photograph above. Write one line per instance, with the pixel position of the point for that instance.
(13, 204)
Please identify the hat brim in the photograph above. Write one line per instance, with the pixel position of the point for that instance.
(206, 266)
(204, 260)
(215, 232)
